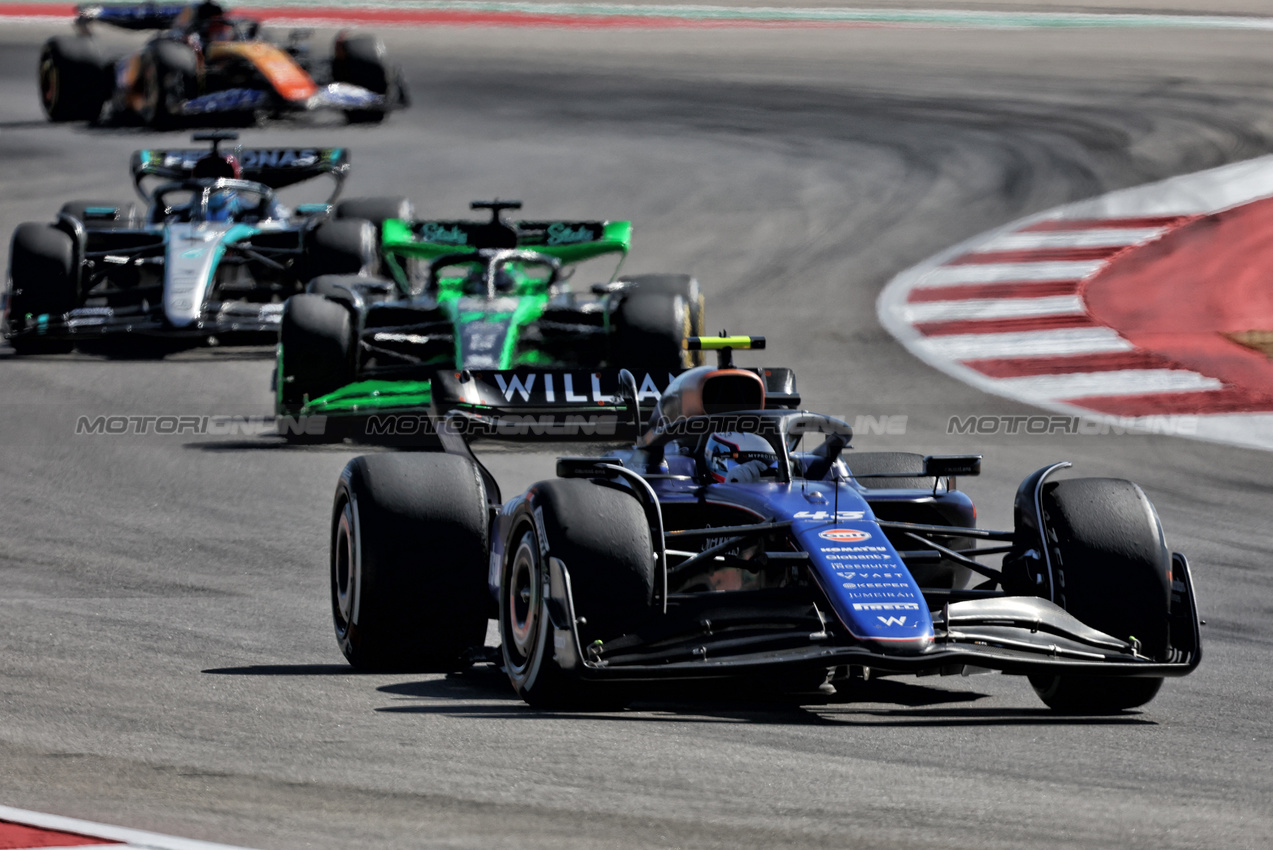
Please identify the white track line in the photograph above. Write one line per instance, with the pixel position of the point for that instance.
(993, 308)
(1054, 343)
(1121, 382)
(1003, 272)
(1096, 238)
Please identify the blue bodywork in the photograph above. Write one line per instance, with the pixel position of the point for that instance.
(872, 593)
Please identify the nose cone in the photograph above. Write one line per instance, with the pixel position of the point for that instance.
(189, 264)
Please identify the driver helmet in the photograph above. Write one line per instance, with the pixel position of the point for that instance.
(475, 283)
(218, 29)
(223, 204)
(727, 450)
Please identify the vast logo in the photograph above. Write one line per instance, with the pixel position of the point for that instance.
(845, 535)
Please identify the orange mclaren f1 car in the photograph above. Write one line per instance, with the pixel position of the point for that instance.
(206, 67)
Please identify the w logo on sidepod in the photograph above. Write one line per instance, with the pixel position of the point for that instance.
(845, 535)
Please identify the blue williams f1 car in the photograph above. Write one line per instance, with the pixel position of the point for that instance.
(724, 544)
(214, 254)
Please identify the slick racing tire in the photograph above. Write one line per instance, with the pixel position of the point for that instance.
(409, 553)
(685, 286)
(74, 84)
(375, 210)
(316, 343)
(124, 216)
(42, 282)
(361, 61)
(602, 536)
(1113, 572)
(347, 246)
(169, 75)
(649, 330)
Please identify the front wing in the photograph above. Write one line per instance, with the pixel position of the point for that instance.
(1026, 636)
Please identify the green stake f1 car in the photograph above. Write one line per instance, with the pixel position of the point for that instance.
(475, 295)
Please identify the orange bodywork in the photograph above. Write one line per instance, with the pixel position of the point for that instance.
(282, 72)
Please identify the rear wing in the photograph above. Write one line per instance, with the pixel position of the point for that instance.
(563, 405)
(274, 167)
(568, 241)
(131, 16)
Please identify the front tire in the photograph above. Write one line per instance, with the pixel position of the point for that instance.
(346, 246)
(1113, 572)
(602, 536)
(649, 330)
(409, 549)
(42, 282)
(316, 336)
(685, 286)
(169, 76)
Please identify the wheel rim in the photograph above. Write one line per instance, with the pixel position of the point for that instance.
(345, 565)
(49, 83)
(522, 603)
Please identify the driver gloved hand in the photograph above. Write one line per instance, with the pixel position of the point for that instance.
(747, 473)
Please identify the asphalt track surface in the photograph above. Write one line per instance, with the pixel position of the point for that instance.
(166, 656)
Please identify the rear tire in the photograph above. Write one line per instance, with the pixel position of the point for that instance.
(42, 282)
(342, 247)
(169, 75)
(375, 210)
(1113, 572)
(649, 332)
(602, 536)
(685, 286)
(409, 551)
(361, 61)
(73, 84)
(316, 335)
